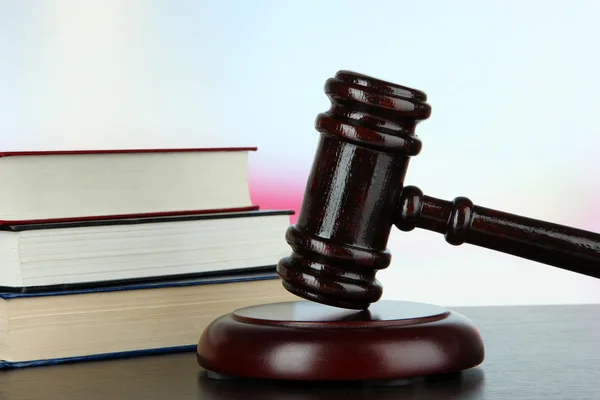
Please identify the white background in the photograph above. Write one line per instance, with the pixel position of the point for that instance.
(513, 85)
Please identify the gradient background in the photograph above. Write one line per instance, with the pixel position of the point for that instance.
(513, 86)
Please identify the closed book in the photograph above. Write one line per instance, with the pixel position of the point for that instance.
(86, 252)
(53, 327)
(101, 184)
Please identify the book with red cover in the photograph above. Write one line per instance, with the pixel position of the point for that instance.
(97, 253)
(77, 185)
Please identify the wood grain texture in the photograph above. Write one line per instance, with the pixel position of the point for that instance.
(532, 353)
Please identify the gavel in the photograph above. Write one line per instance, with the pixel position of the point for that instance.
(339, 329)
(355, 194)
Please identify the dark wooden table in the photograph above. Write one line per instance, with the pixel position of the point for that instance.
(546, 352)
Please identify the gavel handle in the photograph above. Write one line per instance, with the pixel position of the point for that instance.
(462, 222)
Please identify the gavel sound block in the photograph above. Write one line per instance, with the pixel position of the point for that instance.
(355, 194)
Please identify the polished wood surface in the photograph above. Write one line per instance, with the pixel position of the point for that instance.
(463, 222)
(340, 238)
(303, 340)
(355, 194)
(532, 353)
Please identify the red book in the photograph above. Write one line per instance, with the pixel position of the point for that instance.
(78, 185)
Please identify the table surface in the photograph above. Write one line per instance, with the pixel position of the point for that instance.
(532, 352)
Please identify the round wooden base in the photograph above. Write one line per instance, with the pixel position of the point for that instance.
(304, 340)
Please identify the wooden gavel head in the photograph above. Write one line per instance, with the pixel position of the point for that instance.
(340, 239)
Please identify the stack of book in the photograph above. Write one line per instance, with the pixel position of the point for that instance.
(117, 253)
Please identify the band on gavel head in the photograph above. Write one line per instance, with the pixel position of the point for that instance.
(340, 239)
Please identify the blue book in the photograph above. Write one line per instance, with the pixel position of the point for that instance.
(124, 320)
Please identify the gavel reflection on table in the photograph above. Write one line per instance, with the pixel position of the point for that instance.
(355, 195)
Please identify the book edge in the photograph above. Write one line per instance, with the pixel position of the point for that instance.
(250, 276)
(137, 281)
(98, 357)
(142, 217)
(133, 219)
(124, 151)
